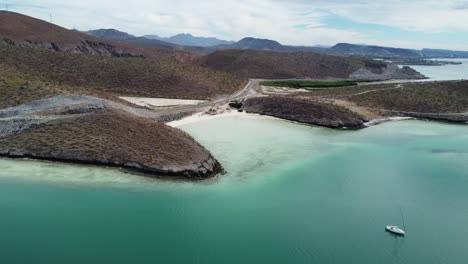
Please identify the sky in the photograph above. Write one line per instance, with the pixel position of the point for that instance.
(397, 23)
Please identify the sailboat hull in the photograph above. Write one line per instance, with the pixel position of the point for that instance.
(395, 230)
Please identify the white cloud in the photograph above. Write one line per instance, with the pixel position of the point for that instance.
(299, 22)
(419, 15)
(224, 19)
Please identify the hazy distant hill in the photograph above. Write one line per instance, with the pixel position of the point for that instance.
(109, 34)
(285, 65)
(388, 52)
(120, 36)
(256, 44)
(440, 53)
(343, 49)
(250, 43)
(373, 51)
(207, 45)
(190, 40)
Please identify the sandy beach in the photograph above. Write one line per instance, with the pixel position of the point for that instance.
(198, 117)
(160, 102)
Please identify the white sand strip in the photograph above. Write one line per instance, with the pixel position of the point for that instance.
(203, 117)
(160, 102)
(375, 122)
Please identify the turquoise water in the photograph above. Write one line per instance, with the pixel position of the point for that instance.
(291, 194)
(447, 72)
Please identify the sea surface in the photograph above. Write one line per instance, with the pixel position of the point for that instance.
(291, 194)
(446, 72)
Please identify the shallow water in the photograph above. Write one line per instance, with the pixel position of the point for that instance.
(446, 72)
(292, 194)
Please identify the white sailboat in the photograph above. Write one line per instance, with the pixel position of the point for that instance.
(395, 229)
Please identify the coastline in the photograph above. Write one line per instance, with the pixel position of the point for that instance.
(145, 177)
(378, 121)
(202, 116)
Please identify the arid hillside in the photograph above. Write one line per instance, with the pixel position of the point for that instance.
(284, 65)
(108, 137)
(430, 97)
(24, 31)
(42, 59)
(304, 111)
(444, 100)
(92, 74)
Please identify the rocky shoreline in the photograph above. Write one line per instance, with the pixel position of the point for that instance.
(137, 170)
(391, 72)
(459, 118)
(105, 136)
(305, 111)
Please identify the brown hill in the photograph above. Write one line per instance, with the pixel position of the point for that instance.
(24, 31)
(442, 100)
(47, 55)
(428, 97)
(112, 138)
(36, 70)
(120, 36)
(284, 65)
(304, 111)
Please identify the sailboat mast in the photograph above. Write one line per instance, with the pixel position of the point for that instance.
(402, 219)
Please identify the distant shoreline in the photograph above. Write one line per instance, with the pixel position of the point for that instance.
(201, 117)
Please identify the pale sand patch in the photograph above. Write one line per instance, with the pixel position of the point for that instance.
(159, 102)
(378, 121)
(203, 117)
(281, 90)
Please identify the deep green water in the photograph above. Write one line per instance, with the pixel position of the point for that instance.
(292, 194)
(447, 72)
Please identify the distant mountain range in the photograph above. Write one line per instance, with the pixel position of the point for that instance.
(189, 40)
(255, 44)
(441, 53)
(388, 52)
(344, 49)
(250, 43)
(109, 34)
(207, 45)
(373, 51)
(116, 35)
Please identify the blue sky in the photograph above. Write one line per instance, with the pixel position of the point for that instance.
(409, 24)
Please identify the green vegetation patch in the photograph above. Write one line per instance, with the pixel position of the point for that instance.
(309, 84)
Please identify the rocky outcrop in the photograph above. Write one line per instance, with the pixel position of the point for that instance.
(391, 72)
(82, 47)
(93, 131)
(305, 111)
